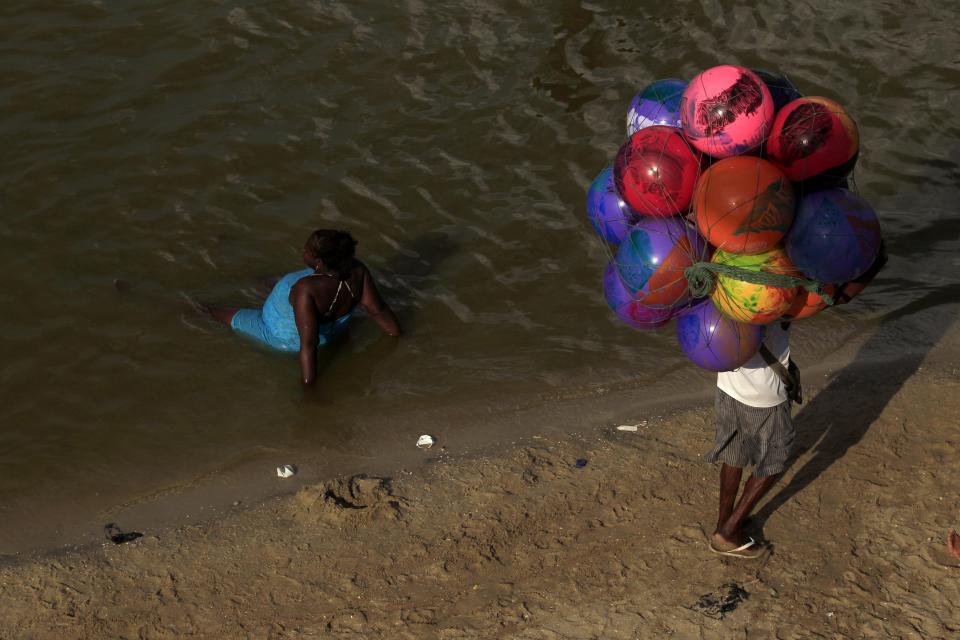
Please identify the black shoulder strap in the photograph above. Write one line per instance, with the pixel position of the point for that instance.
(777, 367)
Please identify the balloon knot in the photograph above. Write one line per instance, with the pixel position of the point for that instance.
(700, 279)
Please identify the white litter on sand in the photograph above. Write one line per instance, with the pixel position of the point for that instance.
(286, 471)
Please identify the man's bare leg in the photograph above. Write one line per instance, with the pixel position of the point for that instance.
(729, 535)
(729, 487)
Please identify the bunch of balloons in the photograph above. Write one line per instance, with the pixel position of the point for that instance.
(728, 208)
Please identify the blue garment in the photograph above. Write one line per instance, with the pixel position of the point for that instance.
(275, 325)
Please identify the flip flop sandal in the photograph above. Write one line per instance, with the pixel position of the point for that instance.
(743, 551)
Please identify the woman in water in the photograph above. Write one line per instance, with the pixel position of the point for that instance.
(313, 306)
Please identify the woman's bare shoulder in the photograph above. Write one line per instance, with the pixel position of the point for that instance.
(309, 286)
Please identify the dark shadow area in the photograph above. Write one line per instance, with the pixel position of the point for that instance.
(331, 350)
(116, 535)
(414, 263)
(828, 435)
(910, 244)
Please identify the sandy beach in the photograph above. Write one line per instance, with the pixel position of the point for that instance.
(524, 542)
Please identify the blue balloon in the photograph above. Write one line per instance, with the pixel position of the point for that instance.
(713, 341)
(610, 216)
(835, 236)
(658, 103)
(782, 90)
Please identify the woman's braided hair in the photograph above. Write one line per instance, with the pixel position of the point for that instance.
(335, 248)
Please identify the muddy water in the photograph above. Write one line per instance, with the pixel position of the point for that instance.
(160, 153)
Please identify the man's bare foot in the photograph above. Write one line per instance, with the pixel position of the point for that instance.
(953, 543)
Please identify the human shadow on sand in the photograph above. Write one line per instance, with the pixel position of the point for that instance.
(828, 433)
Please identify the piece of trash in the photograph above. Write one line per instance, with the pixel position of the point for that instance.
(118, 536)
(286, 470)
(424, 442)
(580, 463)
(627, 427)
(722, 601)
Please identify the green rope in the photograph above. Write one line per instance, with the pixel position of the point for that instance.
(701, 278)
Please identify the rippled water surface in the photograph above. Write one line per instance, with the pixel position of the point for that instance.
(160, 153)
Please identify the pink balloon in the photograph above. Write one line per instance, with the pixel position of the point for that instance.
(727, 111)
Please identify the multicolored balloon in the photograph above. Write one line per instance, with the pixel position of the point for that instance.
(782, 90)
(748, 302)
(610, 216)
(835, 236)
(626, 307)
(743, 204)
(727, 111)
(652, 259)
(655, 171)
(814, 136)
(713, 341)
(658, 103)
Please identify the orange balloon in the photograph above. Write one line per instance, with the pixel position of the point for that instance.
(743, 205)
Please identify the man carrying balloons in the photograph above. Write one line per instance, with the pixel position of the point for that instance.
(753, 427)
(728, 210)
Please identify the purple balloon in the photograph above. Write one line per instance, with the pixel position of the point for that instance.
(627, 308)
(835, 236)
(610, 216)
(658, 103)
(715, 342)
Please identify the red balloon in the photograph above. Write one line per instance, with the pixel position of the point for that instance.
(813, 136)
(655, 171)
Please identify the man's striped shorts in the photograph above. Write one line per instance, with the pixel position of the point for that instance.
(758, 436)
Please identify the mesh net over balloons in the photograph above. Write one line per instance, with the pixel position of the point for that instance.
(729, 206)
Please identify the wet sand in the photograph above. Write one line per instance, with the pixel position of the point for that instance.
(522, 543)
